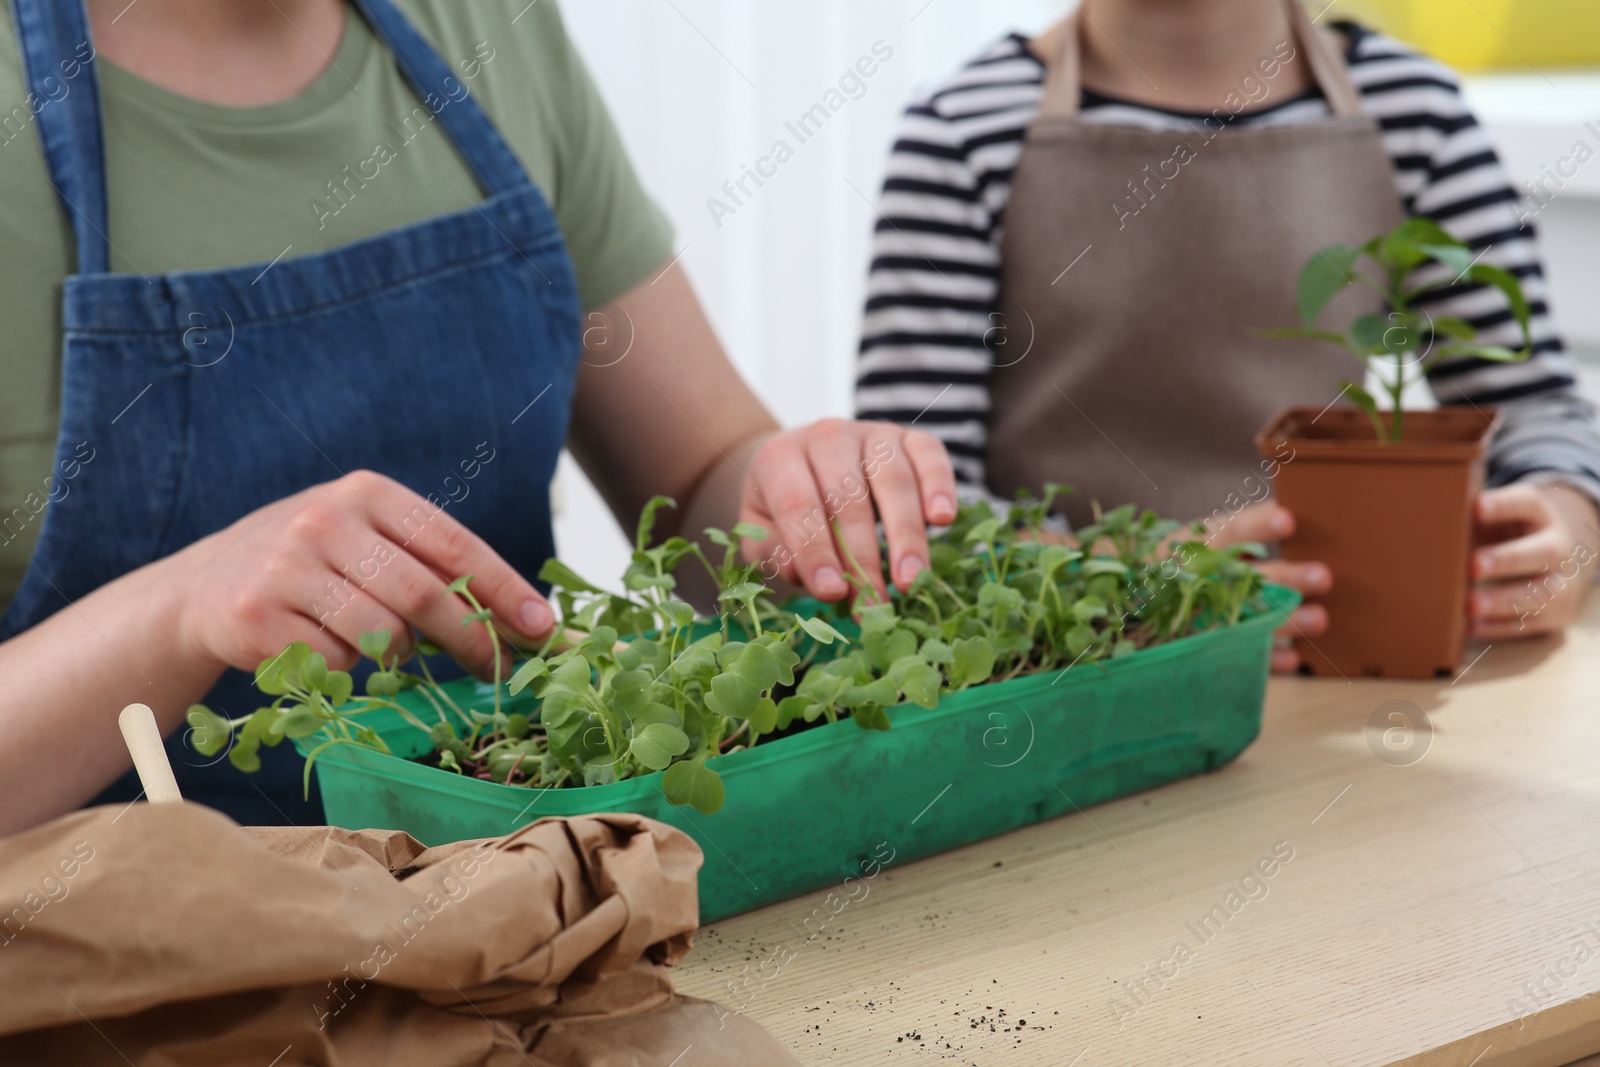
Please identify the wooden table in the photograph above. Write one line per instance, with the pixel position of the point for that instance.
(1423, 900)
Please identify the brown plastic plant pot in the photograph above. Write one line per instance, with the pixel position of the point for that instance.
(1393, 522)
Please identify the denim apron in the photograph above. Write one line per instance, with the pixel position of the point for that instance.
(208, 394)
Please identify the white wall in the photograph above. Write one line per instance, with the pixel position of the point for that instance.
(700, 88)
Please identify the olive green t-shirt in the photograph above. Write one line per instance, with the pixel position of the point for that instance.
(195, 186)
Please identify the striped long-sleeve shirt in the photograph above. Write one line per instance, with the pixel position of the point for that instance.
(936, 255)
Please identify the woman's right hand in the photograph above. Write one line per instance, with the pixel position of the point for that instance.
(1267, 523)
(340, 559)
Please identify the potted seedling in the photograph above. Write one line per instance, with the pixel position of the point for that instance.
(1380, 494)
(1035, 677)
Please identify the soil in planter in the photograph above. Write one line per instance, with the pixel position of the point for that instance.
(1393, 522)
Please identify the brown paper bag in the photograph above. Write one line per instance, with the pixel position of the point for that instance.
(165, 935)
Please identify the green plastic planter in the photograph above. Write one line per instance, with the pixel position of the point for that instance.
(805, 811)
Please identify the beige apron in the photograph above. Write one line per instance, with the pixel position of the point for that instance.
(1142, 380)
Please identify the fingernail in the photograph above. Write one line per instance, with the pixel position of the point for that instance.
(942, 504)
(1319, 576)
(828, 582)
(1304, 616)
(536, 616)
(1483, 563)
(910, 567)
(1281, 524)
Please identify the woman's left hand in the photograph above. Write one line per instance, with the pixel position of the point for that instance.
(858, 473)
(1533, 580)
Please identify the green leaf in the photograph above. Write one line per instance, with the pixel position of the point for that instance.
(656, 743)
(338, 687)
(757, 665)
(1089, 608)
(209, 732)
(765, 718)
(1493, 353)
(972, 660)
(559, 574)
(871, 717)
(1368, 332)
(1458, 329)
(1458, 258)
(1506, 282)
(517, 726)
(984, 532)
(383, 684)
(732, 696)
(692, 782)
(1406, 246)
(1324, 275)
(246, 757)
(937, 651)
(314, 671)
(375, 644)
(277, 675)
(656, 712)
(791, 708)
(749, 531)
(820, 631)
(921, 685)
(676, 612)
(647, 520)
(301, 721)
(742, 593)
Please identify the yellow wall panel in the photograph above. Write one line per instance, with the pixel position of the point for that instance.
(1477, 35)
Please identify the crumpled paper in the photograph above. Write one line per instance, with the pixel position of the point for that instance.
(167, 936)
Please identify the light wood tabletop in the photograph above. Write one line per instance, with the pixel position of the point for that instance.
(1350, 891)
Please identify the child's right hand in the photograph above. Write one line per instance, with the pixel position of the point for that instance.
(1269, 523)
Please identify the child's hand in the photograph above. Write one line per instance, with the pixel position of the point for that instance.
(1533, 573)
(1267, 523)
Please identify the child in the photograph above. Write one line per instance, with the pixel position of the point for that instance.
(1078, 233)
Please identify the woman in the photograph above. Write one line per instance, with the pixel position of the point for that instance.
(1054, 310)
(320, 340)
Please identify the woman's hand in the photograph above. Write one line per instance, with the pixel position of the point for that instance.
(858, 473)
(1267, 523)
(338, 560)
(1533, 580)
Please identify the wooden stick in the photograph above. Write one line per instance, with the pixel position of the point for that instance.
(143, 739)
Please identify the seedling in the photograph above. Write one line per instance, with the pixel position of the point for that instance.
(996, 601)
(1400, 347)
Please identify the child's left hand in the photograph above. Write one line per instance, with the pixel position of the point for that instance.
(1532, 577)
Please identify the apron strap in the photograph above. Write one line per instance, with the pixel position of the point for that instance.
(64, 97)
(482, 148)
(1063, 80)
